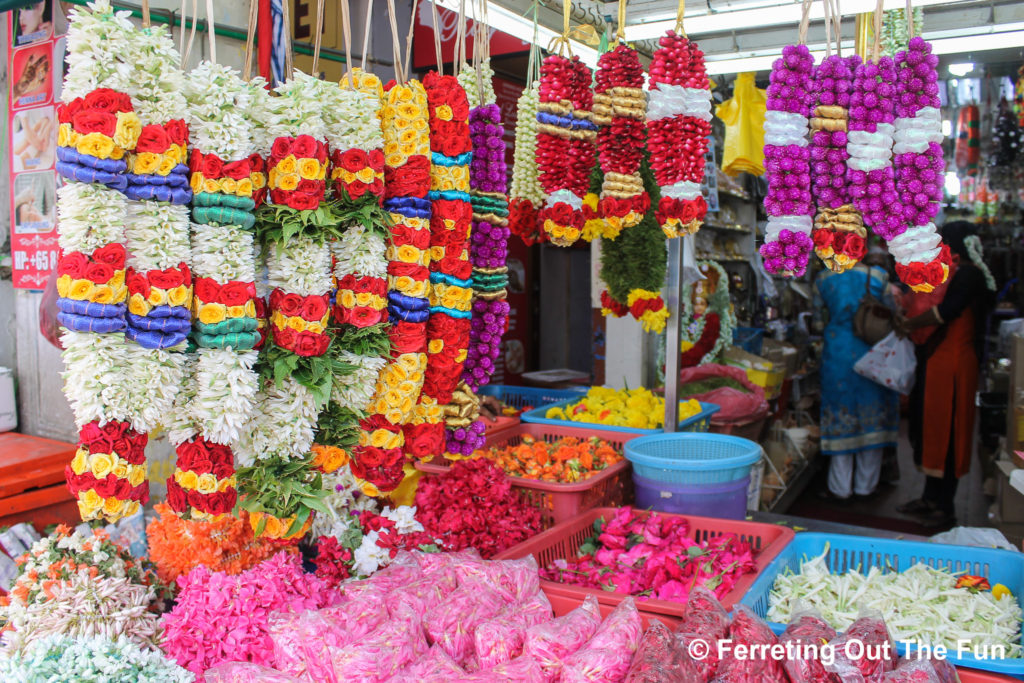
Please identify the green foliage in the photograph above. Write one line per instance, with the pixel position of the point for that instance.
(365, 341)
(280, 224)
(337, 426)
(282, 488)
(638, 257)
(316, 373)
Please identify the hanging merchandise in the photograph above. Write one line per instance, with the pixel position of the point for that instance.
(619, 112)
(788, 244)
(711, 319)
(678, 129)
(744, 117)
(967, 152)
(1006, 140)
(526, 194)
(922, 260)
(1018, 96)
(839, 234)
(896, 33)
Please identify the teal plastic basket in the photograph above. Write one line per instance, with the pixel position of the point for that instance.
(861, 553)
(692, 458)
(701, 422)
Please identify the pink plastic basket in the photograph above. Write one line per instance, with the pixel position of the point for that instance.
(563, 541)
(974, 676)
(560, 502)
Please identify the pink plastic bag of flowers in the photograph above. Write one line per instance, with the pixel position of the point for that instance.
(913, 671)
(423, 595)
(500, 639)
(358, 618)
(661, 659)
(873, 641)
(522, 669)
(384, 652)
(520, 578)
(452, 624)
(607, 655)
(435, 665)
(704, 620)
(622, 629)
(552, 642)
(749, 631)
(435, 562)
(402, 571)
(244, 672)
(287, 638)
(804, 637)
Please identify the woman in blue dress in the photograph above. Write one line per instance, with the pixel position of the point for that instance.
(859, 418)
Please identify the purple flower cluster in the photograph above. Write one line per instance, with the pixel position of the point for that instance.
(833, 80)
(487, 171)
(874, 195)
(488, 246)
(873, 94)
(918, 78)
(788, 254)
(465, 440)
(788, 83)
(790, 180)
(919, 178)
(489, 321)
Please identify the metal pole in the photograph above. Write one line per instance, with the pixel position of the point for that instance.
(672, 302)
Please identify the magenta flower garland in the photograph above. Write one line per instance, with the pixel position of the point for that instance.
(788, 202)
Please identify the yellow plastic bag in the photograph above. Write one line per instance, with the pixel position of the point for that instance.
(744, 127)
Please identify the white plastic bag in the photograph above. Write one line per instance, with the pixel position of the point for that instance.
(891, 363)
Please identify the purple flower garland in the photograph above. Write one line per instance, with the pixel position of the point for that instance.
(788, 242)
(833, 80)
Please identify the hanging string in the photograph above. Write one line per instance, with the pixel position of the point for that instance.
(250, 39)
(620, 31)
(192, 33)
(346, 36)
(876, 49)
(395, 48)
(145, 13)
(910, 22)
(828, 29)
(286, 19)
(805, 22)
(679, 18)
(561, 43)
(317, 37)
(211, 32)
(366, 34)
(459, 59)
(437, 38)
(408, 38)
(532, 65)
(837, 21)
(481, 47)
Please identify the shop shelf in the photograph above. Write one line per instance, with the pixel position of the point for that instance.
(862, 553)
(563, 541)
(559, 502)
(700, 422)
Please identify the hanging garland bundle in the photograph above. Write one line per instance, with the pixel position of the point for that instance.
(526, 193)
(565, 146)
(633, 267)
(619, 109)
(678, 126)
(922, 261)
(788, 242)
(839, 234)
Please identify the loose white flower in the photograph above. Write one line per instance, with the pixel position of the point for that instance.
(92, 659)
(369, 556)
(157, 235)
(301, 266)
(404, 518)
(91, 216)
(222, 252)
(344, 496)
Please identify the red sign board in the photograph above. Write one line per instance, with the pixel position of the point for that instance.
(423, 54)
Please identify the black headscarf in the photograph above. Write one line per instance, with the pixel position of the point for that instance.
(954, 233)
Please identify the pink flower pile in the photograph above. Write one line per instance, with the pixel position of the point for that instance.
(220, 618)
(651, 556)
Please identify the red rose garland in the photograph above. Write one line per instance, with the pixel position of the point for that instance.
(619, 107)
(678, 126)
(204, 480)
(108, 473)
(565, 146)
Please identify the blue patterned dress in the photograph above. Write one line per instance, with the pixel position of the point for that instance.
(856, 413)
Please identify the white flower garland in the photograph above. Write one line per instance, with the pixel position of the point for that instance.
(95, 377)
(227, 387)
(283, 424)
(97, 50)
(360, 252)
(157, 84)
(302, 267)
(355, 391)
(525, 174)
(91, 216)
(350, 117)
(218, 104)
(297, 110)
(469, 82)
(223, 252)
(263, 116)
(157, 235)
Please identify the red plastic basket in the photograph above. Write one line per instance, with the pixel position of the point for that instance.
(560, 502)
(973, 675)
(563, 542)
(499, 425)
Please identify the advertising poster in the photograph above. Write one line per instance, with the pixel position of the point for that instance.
(34, 67)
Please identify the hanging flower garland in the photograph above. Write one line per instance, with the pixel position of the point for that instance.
(405, 126)
(922, 260)
(788, 241)
(839, 235)
(678, 126)
(526, 193)
(565, 145)
(618, 111)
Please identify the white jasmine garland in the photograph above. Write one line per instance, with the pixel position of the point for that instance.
(153, 378)
(297, 109)
(350, 118)
(95, 377)
(91, 660)
(301, 267)
(218, 104)
(525, 174)
(356, 389)
(283, 424)
(157, 82)
(97, 49)
(157, 235)
(262, 115)
(222, 252)
(181, 424)
(360, 252)
(91, 216)
(471, 84)
(226, 388)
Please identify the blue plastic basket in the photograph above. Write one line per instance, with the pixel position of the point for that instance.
(748, 338)
(701, 422)
(692, 458)
(862, 553)
(528, 397)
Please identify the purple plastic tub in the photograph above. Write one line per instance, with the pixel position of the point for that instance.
(723, 500)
